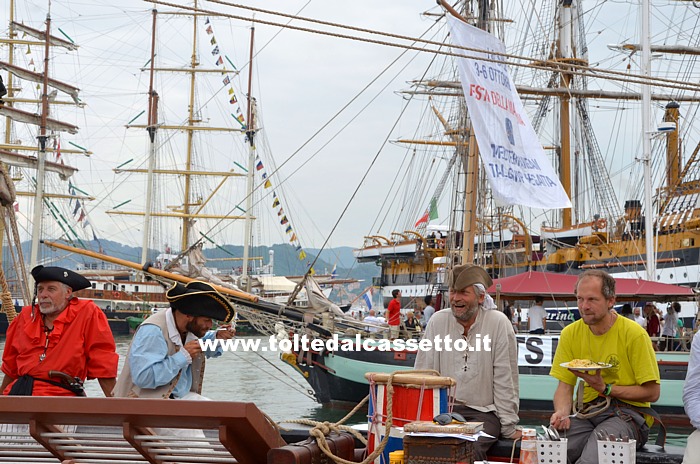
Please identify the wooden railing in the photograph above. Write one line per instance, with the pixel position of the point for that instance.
(679, 344)
(125, 430)
(121, 295)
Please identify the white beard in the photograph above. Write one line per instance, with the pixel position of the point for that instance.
(48, 311)
(468, 314)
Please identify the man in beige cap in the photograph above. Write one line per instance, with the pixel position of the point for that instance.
(487, 370)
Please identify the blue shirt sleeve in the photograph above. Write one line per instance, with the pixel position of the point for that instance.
(211, 335)
(691, 389)
(151, 367)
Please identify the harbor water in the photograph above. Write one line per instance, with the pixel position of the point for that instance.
(276, 388)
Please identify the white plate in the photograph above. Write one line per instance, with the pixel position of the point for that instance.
(584, 369)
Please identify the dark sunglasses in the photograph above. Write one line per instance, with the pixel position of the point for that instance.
(448, 418)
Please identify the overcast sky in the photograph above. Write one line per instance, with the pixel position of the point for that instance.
(301, 80)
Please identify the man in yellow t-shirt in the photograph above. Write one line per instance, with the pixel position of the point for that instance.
(631, 382)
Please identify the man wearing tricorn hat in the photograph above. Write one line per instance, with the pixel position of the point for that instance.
(62, 333)
(165, 359)
(487, 371)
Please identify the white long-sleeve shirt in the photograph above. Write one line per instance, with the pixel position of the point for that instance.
(670, 324)
(691, 388)
(486, 380)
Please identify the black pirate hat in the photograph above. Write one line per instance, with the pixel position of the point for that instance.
(200, 299)
(59, 274)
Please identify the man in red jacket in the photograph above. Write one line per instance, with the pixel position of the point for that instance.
(62, 333)
(393, 314)
(653, 324)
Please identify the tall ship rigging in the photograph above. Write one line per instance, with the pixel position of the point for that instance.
(443, 174)
(203, 163)
(198, 164)
(37, 162)
(566, 95)
(38, 192)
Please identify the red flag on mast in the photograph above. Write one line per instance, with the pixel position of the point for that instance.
(422, 219)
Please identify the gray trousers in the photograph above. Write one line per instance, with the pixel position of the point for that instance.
(492, 426)
(582, 447)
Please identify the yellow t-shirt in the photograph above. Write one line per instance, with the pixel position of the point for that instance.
(626, 346)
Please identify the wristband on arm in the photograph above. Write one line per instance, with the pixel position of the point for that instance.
(608, 389)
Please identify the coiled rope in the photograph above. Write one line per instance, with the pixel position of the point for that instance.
(321, 429)
(8, 306)
(7, 199)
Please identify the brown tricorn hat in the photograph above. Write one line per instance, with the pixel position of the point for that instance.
(468, 274)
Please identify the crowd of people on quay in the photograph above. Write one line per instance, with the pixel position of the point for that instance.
(397, 322)
(667, 331)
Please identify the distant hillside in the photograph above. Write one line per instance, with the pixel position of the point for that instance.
(342, 256)
(286, 258)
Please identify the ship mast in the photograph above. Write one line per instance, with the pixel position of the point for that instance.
(471, 165)
(10, 94)
(152, 129)
(187, 219)
(565, 51)
(646, 146)
(250, 136)
(41, 155)
(190, 210)
(10, 150)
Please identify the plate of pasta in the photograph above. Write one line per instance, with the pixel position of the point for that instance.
(584, 365)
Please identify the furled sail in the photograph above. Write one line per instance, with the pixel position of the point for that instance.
(197, 269)
(318, 302)
(38, 77)
(41, 35)
(23, 161)
(33, 118)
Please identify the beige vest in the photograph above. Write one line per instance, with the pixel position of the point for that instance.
(125, 386)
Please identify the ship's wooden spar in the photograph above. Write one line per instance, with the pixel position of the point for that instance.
(148, 269)
(237, 296)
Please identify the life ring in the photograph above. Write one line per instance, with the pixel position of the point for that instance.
(116, 294)
(601, 223)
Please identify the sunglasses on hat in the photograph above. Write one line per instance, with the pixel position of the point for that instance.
(449, 418)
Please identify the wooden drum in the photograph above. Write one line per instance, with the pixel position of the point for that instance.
(417, 396)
